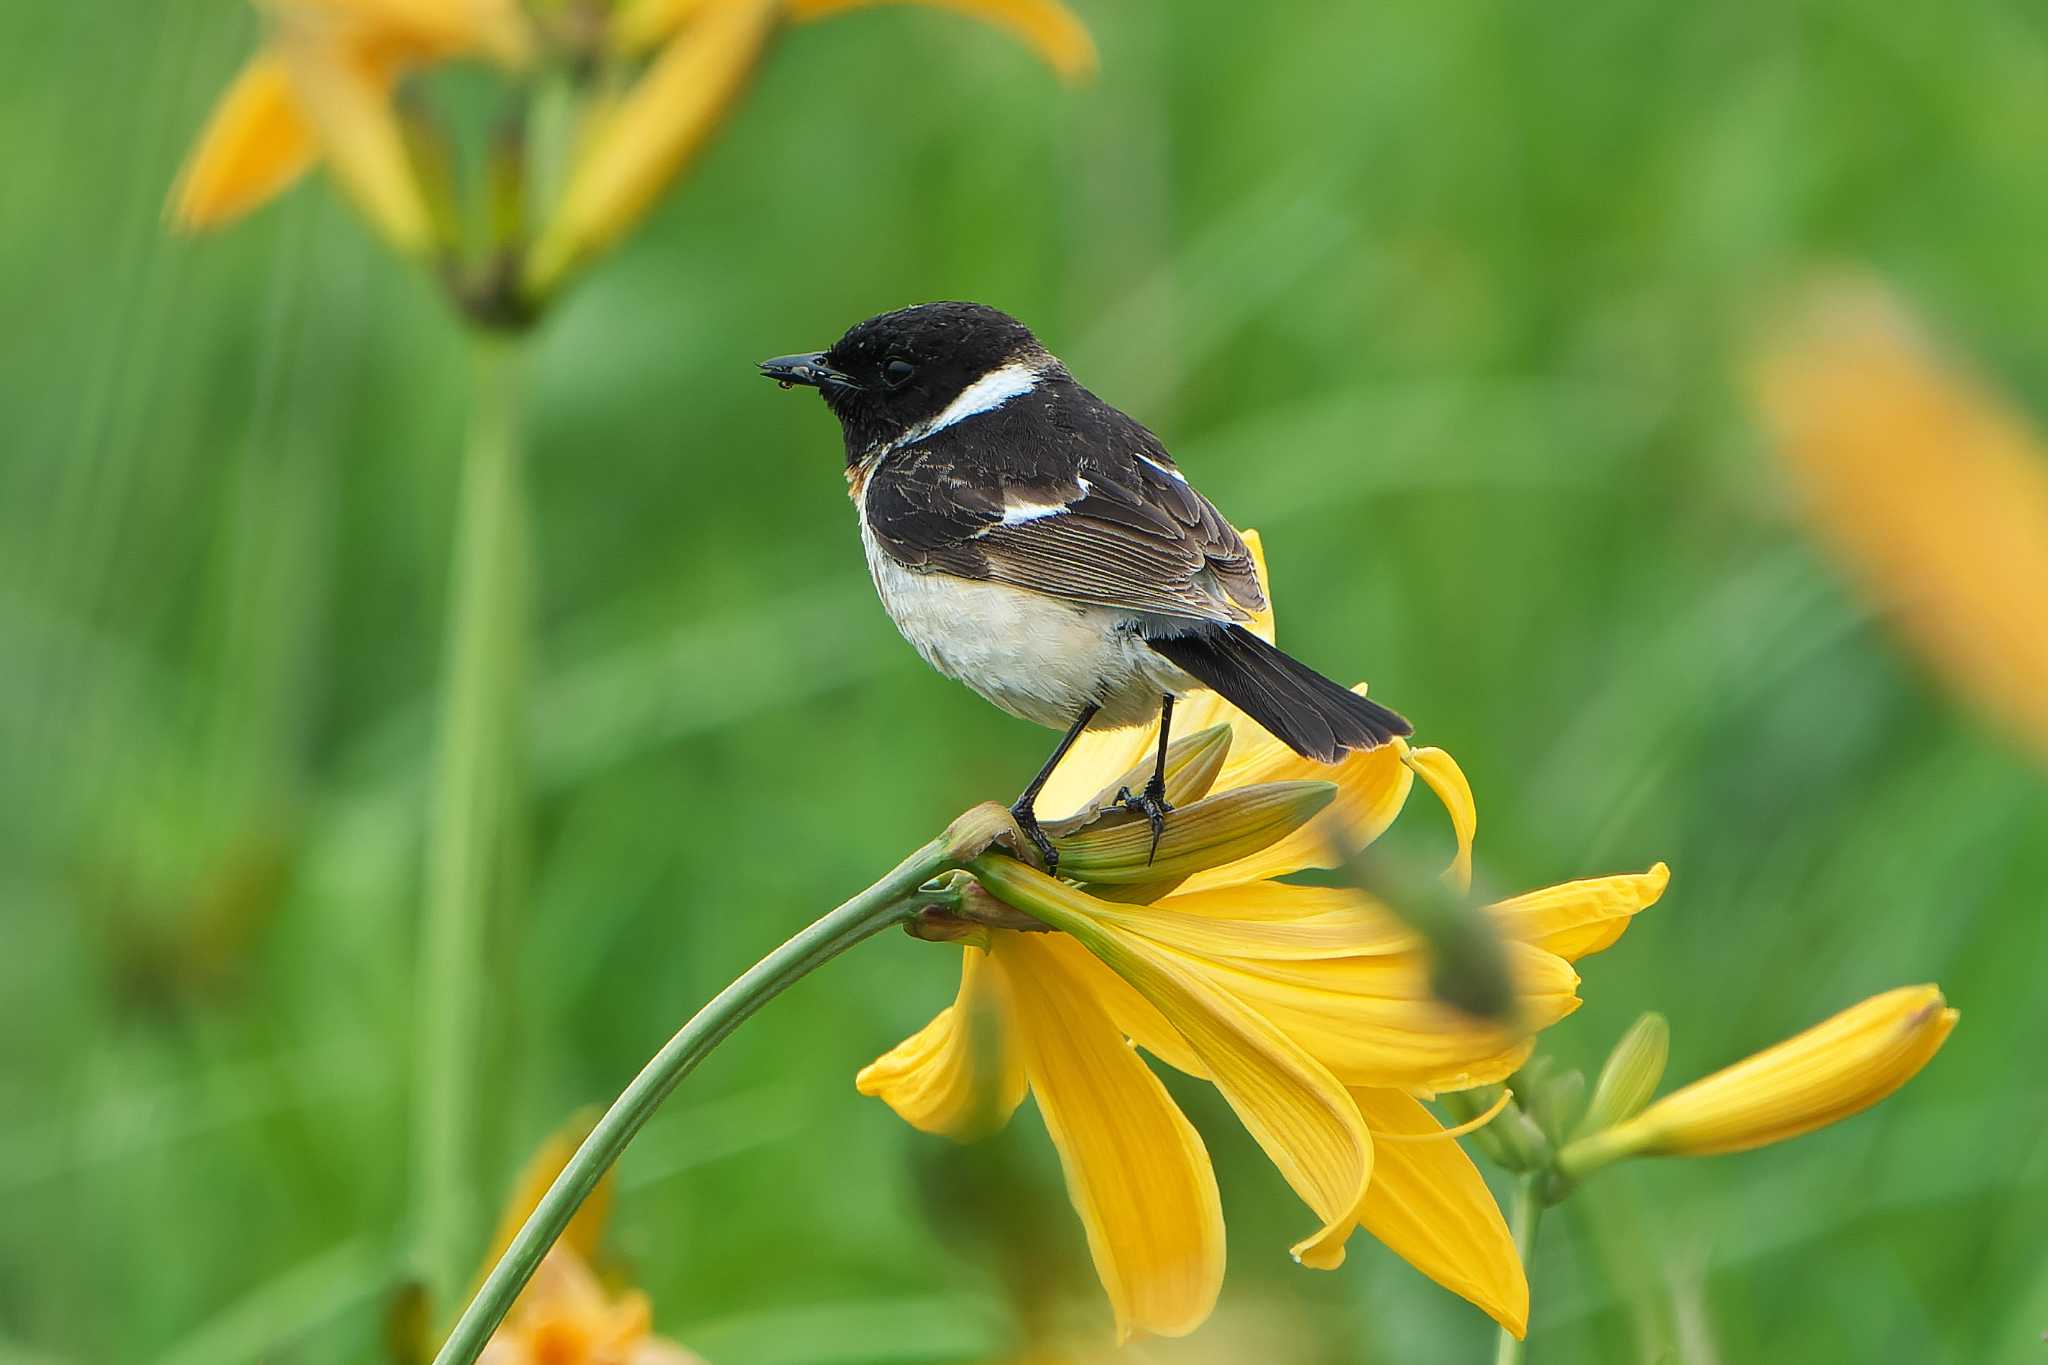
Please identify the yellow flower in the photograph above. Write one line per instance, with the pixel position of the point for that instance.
(1309, 1008)
(1931, 489)
(711, 48)
(321, 87)
(1833, 1070)
(565, 1315)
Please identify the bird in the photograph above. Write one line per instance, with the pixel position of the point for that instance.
(1040, 546)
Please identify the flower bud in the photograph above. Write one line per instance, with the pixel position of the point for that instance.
(1192, 762)
(1835, 1069)
(1117, 849)
(1631, 1073)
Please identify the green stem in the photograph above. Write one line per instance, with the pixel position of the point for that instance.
(473, 812)
(892, 900)
(1523, 1217)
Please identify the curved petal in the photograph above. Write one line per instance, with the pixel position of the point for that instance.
(960, 1075)
(1136, 1169)
(1430, 1204)
(1047, 27)
(1289, 1102)
(645, 143)
(1447, 780)
(1371, 788)
(1578, 919)
(256, 143)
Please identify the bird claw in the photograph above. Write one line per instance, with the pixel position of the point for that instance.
(1150, 803)
(1027, 821)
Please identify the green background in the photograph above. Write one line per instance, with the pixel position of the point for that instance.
(1451, 300)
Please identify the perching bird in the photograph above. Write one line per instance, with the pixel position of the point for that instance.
(1038, 545)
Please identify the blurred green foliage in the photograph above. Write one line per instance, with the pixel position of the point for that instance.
(1450, 300)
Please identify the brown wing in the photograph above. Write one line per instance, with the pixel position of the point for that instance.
(1059, 493)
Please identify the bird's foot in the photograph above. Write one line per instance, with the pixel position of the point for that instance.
(1150, 803)
(1027, 821)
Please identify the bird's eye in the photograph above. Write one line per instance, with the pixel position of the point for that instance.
(897, 373)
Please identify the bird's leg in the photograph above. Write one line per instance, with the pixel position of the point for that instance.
(1027, 818)
(1151, 803)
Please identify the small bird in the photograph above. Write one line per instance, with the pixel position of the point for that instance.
(1035, 543)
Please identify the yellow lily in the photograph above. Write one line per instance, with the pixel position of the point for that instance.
(1929, 487)
(565, 1315)
(321, 88)
(1835, 1069)
(1309, 1008)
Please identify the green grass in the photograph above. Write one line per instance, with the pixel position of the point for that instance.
(1449, 300)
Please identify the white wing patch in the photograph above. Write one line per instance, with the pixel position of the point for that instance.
(1173, 474)
(985, 394)
(1023, 510)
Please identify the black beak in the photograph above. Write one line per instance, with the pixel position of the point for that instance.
(809, 369)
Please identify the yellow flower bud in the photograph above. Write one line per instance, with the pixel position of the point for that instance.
(1213, 831)
(1835, 1069)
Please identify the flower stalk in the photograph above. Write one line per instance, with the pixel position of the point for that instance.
(473, 833)
(1524, 1215)
(895, 899)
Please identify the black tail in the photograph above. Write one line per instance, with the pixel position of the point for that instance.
(1310, 714)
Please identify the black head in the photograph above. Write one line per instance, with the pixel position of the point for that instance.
(894, 373)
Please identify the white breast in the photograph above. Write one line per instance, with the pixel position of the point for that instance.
(1036, 657)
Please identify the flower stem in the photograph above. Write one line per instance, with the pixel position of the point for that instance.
(474, 810)
(1523, 1217)
(892, 900)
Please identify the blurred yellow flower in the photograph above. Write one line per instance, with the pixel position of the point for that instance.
(1833, 1070)
(1931, 489)
(638, 147)
(1309, 1008)
(565, 1315)
(321, 87)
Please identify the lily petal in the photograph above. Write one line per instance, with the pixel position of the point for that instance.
(1136, 1170)
(1375, 1020)
(1276, 920)
(1370, 1017)
(1135, 1016)
(1430, 1204)
(1447, 780)
(1371, 789)
(647, 141)
(256, 143)
(961, 1075)
(1578, 919)
(1047, 27)
(641, 24)
(346, 100)
(1289, 1102)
